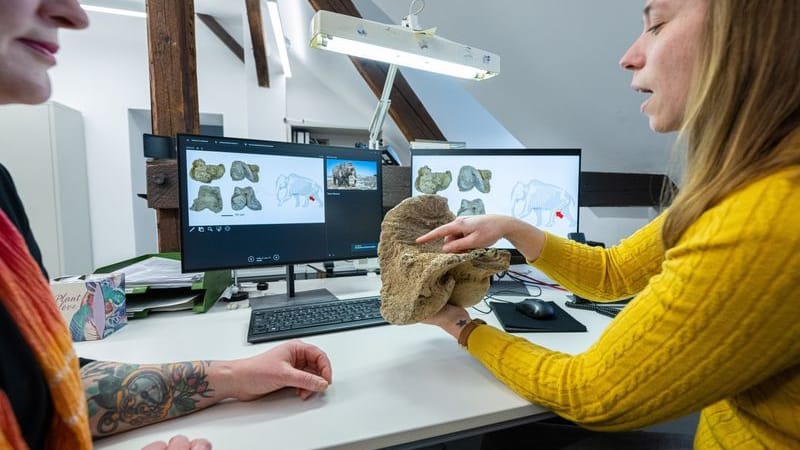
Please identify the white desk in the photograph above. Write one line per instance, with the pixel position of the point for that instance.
(392, 385)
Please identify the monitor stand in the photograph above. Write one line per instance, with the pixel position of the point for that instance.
(507, 287)
(291, 296)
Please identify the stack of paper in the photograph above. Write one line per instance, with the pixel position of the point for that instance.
(159, 273)
(164, 283)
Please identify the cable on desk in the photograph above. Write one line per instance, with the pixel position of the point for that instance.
(315, 269)
(529, 280)
(513, 293)
(475, 307)
(606, 310)
(494, 296)
(484, 301)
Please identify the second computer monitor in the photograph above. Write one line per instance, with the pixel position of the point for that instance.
(539, 186)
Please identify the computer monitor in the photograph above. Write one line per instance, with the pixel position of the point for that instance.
(539, 186)
(247, 203)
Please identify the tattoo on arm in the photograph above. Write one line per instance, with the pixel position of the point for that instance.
(125, 396)
(461, 323)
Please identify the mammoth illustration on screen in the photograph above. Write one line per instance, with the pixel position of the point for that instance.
(547, 201)
(299, 188)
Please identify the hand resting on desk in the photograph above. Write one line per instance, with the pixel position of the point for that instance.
(295, 364)
(124, 396)
(179, 442)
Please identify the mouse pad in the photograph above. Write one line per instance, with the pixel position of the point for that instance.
(514, 321)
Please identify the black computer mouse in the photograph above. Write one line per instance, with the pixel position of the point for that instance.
(537, 309)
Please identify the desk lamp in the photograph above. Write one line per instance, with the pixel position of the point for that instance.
(399, 45)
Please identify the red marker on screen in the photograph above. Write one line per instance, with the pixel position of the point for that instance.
(559, 214)
(311, 197)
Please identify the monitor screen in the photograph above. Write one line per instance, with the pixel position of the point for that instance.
(248, 203)
(538, 186)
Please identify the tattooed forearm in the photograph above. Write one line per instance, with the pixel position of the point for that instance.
(124, 396)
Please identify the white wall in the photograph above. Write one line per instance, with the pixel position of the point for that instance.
(611, 225)
(86, 80)
(144, 218)
(103, 73)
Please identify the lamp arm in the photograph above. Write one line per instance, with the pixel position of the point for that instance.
(379, 116)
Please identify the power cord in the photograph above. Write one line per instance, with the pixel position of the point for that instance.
(610, 310)
(604, 310)
(411, 11)
(494, 296)
(529, 280)
(411, 21)
(488, 306)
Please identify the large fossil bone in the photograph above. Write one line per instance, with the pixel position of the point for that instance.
(418, 280)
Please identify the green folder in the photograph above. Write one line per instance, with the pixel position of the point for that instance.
(208, 288)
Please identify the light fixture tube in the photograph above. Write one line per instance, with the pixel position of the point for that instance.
(117, 11)
(397, 45)
(277, 29)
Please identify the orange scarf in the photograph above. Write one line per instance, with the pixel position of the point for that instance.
(29, 301)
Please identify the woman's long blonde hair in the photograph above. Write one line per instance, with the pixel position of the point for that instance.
(742, 116)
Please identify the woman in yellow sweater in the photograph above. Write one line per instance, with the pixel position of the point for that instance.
(715, 325)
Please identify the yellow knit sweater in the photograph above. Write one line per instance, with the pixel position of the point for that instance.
(715, 325)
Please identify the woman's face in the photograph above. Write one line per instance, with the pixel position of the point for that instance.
(28, 45)
(662, 58)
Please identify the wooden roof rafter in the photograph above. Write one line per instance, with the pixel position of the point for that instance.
(406, 109)
(256, 23)
(222, 34)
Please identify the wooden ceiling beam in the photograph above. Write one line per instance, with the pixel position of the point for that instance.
(256, 22)
(406, 109)
(173, 102)
(222, 34)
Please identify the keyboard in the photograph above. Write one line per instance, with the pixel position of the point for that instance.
(291, 321)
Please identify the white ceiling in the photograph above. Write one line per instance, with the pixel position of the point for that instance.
(560, 84)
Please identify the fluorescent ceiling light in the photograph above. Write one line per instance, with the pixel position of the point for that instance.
(277, 28)
(404, 45)
(117, 11)
(394, 44)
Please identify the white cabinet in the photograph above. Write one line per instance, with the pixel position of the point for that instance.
(43, 147)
